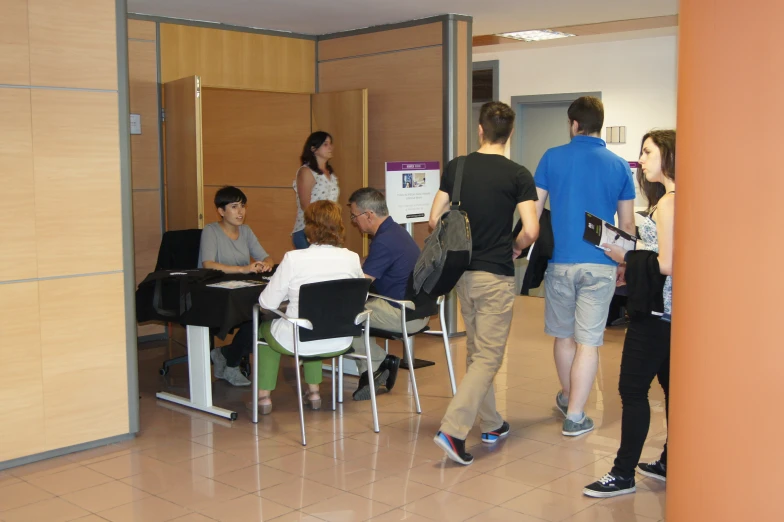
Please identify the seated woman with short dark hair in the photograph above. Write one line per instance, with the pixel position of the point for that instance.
(324, 260)
(231, 246)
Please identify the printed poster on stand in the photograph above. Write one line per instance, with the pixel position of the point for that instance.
(411, 187)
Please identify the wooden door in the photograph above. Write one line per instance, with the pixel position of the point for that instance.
(183, 154)
(343, 114)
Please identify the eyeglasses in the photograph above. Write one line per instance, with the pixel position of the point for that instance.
(354, 217)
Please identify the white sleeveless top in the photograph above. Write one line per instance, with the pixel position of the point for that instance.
(326, 187)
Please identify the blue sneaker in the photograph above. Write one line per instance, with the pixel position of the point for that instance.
(561, 403)
(454, 448)
(573, 429)
(491, 437)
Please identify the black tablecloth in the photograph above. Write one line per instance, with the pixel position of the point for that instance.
(220, 309)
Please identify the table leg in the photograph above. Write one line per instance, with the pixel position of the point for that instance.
(199, 374)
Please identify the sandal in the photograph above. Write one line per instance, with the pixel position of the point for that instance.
(264, 409)
(313, 398)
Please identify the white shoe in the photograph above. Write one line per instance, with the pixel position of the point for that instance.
(218, 363)
(234, 376)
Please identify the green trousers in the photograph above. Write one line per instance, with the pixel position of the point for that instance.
(269, 360)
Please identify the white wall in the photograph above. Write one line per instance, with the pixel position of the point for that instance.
(637, 79)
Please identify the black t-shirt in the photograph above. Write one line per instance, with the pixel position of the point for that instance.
(492, 187)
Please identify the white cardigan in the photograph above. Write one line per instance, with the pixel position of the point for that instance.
(299, 267)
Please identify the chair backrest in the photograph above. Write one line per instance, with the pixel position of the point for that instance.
(179, 250)
(332, 306)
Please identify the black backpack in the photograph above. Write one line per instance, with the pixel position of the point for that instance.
(447, 251)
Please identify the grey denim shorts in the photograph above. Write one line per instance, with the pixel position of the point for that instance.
(577, 301)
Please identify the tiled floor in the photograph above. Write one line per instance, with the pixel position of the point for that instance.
(191, 467)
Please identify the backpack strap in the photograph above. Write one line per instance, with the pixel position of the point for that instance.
(458, 183)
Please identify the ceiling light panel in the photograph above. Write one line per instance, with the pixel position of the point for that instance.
(536, 36)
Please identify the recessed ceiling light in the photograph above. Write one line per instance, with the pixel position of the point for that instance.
(536, 36)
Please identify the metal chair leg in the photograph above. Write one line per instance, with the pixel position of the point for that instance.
(340, 379)
(410, 358)
(299, 388)
(334, 397)
(447, 351)
(373, 405)
(255, 370)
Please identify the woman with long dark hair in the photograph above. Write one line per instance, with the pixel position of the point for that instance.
(316, 181)
(646, 349)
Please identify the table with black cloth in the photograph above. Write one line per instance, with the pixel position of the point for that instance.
(204, 311)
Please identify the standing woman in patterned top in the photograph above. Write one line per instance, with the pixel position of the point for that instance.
(316, 181)
(646, 349)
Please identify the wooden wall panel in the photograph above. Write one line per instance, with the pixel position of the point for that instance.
(14, 43)
(146, 229)
(344, 115)
(182, 131)
(463, 115)
(252, 138)
(405, 101)
(141, 30)
(237, 60)
(73, 44)
(21, 381)
(143, 81)
(18, 254)
(271, 213)
(384, 41)
(77, 181)
(84, 359)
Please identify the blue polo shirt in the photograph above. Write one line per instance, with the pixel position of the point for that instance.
(393, 254)
(582, 176)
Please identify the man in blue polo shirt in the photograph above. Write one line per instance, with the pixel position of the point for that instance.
(390, 262)
(581, 176)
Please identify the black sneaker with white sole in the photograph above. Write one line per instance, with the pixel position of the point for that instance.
(491, 437)
(655, 470)
(454, 448)
(610, 486)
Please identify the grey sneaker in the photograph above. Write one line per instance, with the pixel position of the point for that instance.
(218, 362)
(561, 403)
(573, 429)
(235, 377)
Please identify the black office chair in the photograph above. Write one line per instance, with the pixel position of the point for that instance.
(179, 250)
(418, 306)
(327, 310)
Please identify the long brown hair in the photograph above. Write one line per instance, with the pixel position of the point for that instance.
(665, 141)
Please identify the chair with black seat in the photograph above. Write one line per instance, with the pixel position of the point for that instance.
(327, 310)
(417, 306)
(179, 250)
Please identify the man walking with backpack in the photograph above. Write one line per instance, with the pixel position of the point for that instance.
(490, 188)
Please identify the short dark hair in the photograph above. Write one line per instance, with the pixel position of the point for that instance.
(497, 121)
(588, 112)
(665, 141)
(229, 195)
(370, 199)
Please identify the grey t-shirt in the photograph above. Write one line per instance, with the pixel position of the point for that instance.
(218, 247)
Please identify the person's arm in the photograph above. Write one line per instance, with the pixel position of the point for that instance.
(258, 253)
(251, 268)
(440, 205)
(530, 230)
(542, 194)
(305, 183)
(665, 229)
(626, 216)
(277, 289)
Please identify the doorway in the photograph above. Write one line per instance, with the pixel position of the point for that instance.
(541, 123)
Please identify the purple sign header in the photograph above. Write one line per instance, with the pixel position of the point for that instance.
(412, 165)
(634, 164)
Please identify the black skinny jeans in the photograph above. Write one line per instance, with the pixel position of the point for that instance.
(241, 345)
(646, 354)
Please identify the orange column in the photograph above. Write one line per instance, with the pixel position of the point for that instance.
(726, 432)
